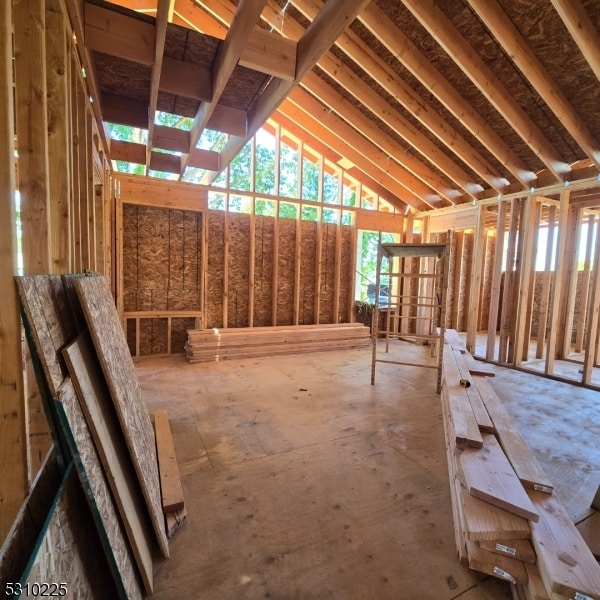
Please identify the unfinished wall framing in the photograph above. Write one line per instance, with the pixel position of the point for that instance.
(536, 299)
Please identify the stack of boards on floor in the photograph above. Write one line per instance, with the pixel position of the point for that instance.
(103, 432)
(507, 521)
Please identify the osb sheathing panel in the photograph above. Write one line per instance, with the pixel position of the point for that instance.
(161, 258)
(346, 275)
(308, 263)
(153, 336)
(179, 327)
(286, 271)
(215, 269)
(327, 282)
(238, 264)
(65, 556)
(264, 228)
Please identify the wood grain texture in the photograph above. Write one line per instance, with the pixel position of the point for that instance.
(514, 445)
(519, 549)
(496, 565)
(117, 366)
(170, 483)
(566, 564)
(97, 492)
(535, 589)
(490, 477)
(102, 421)
(174, 521)
(61, 553)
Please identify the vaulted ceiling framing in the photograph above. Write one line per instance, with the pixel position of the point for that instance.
(435, 103)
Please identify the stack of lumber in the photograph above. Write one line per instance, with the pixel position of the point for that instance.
(208, 345)
(507, 521)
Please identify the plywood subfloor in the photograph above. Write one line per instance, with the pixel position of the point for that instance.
(303, 481)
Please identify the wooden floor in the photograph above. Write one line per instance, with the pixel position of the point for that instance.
(303, 481)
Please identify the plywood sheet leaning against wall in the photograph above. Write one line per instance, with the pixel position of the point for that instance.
(104, 427)
(59, 556)
(117, 366)
(97, 492)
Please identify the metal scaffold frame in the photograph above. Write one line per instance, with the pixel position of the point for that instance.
(411, 285)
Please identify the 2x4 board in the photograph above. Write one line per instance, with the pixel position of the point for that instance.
(117, 365)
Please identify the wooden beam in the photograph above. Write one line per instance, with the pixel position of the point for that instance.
(441, 28)
(186, 79)
(59, 165)
(170, 483)
(458, 262)
(387, 78)
(514, 44)
(475, 281)
(13, 483)
(32, 134)
(563, 219)
(592, 318)
(117, 34)
(527, 229)
(582, 30)
(321, 33)
(546, 284)
(270, 53)
(325, 141)
(584, 304)
(412, 174)
(163, 9)
(225, 62)
(412, 59)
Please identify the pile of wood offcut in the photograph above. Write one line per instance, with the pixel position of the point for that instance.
(507, 521)
(210, 345)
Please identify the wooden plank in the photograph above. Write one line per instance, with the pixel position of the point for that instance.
(481, 415)
(506, 313)
(502, 567)
(82, 172)
(553, 316)
(104, 427)
(13, 483)
(475, 281)
(535, 589)
(520, 549)
(593, 318)
(527, 234)
(496, 281)
(590, 531)
(117, 366)
(454, 340)
(512, 442)
(584, 305)
(477, 367)
(97, 492)
(546, 284)
(170, 483)
(32, 134)
(275, 275)
(485, 521)
(174, 521)
(458, 262)
(461, 413)
(490, 477)
(566, 564)
(59, 166)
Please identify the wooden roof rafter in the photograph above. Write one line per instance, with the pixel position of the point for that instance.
(582, 30)
(384, 76)
(431, 17)
(415, 62)
(226, 60)
(502, 28)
